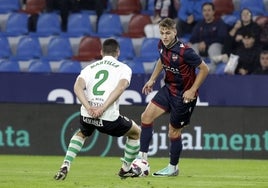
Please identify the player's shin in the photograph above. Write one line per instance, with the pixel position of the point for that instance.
(74, 148)
(175, 150)
(146, 137)
(131, 150)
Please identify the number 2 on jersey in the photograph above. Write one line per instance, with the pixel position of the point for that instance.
(102, 75)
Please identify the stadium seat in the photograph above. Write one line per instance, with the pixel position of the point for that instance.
(124, 7)
(28, 48)
(257, 7)
(230, 19)
(79, 25)
(149, 50)
(89, 49)
(69, 66)
(35, 6)
(7, 65)
(48, 24)
(126, 48)
(39, 66)
(266, 5)
(9, 6)
(5, 51)
(59, 48)
(136, 26)
(109, 25)
(220, 68)
(225, 7)
(149, 9)
(17, 24)
(136, 66)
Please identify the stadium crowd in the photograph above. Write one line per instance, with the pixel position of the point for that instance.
(237, 27)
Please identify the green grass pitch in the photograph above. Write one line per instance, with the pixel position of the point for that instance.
(101, 172)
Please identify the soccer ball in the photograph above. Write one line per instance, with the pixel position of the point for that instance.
(141, 164)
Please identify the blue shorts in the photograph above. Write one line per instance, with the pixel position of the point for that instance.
(115, 128)
(180, 112)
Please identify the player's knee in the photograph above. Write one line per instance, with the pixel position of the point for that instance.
(134, 132)
(143, 116)
(174, 133)
(79, 133)
(146, 118)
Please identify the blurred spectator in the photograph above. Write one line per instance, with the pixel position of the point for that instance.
(163, 9)
(234, 40)
(208, 34)
(65, 7)
(96, 5)
(249, 54)
(189, 14)
(263, 66)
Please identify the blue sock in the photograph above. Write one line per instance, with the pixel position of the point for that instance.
(146, 136)
(175, 150)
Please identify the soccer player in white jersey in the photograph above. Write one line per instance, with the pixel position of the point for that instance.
(98, 87)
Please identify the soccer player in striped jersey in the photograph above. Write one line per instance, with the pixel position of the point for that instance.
(177, 97)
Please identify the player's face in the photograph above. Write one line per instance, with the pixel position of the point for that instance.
(167, 35)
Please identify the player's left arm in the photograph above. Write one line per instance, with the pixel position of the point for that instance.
(189, 95)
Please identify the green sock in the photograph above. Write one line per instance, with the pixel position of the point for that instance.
(74, 148)
(132, 148)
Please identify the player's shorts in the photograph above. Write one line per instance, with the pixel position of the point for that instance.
(180, 112)
(115, 128)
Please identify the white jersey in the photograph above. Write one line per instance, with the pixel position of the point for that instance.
(101, 78)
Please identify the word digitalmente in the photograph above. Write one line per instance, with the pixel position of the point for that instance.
(209, 141)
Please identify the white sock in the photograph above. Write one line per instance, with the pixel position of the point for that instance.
(143, 155)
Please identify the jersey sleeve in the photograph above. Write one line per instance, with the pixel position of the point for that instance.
(84, 73)
(126, 73)
(191, 58)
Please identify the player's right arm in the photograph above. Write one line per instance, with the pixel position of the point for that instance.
(114, 95)
(148, 87)
(79, 87)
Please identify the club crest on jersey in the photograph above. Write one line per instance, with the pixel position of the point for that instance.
(174, 57)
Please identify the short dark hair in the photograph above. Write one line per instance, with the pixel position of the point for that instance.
(264, 51)
(110, 47)
(210, 4)
(248, 34)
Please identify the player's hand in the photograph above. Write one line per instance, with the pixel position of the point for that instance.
(148, 87)
(96, 112)
(189, 96)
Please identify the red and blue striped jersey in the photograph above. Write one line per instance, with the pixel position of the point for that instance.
(179, 62)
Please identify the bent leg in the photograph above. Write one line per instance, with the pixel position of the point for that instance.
(75, 145)
(131, 150)
(132, 146)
